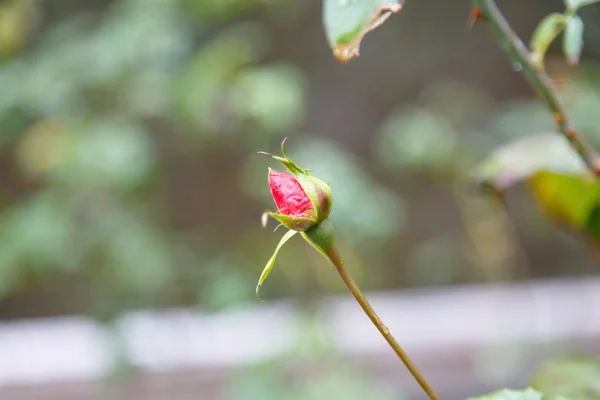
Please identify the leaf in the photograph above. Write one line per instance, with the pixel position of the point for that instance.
(522, 159)
(348, 21)
(573, 39)
(557, 177)
(507, 394)
(568, 199)
(573, 379)
(577, 4)
(546, 31)
(271, 261)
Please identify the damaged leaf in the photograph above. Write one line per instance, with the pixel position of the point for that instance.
(348, 21)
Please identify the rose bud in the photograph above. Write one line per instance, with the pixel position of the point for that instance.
(303, 201)
(303, 204)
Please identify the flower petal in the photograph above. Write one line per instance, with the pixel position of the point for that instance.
(288, 195)
(271, 262)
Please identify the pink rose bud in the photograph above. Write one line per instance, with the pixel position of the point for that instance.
(303, 204)
(303, 201)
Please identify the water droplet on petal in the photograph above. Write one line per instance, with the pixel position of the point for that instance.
(517, 66)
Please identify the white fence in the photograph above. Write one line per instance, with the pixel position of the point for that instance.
(434, 325)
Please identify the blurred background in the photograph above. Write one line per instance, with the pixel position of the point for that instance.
(131, 195)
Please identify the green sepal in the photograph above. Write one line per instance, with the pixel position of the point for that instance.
(321, 238)
(271, 261)
(286, 161)
(291, 222)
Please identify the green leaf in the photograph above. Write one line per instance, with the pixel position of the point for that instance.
(348, 21)
(577, 4)
(573, 39)
(545, 33)
(271, 262)
(572, 379)
(116, 152)
(522, 159)
(273, 97)
(506, 394)
(557, 177)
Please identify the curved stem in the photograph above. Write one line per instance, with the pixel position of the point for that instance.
(336, 259)
(537, 77)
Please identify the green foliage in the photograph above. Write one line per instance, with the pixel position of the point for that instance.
(268, 382)
(36, 238)
(271, 97)
(15, 26)
(97, 108)
(576, 379)
(111, 153)
(221, 10)
(527, 394)
(85, 116)
(417, 139)
(552, 25)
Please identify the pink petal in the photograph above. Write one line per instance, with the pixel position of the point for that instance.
(289, 196)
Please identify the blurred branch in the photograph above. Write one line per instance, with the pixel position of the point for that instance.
(487, 11)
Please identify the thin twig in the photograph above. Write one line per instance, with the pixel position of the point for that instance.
(336, 259)
(488, 11)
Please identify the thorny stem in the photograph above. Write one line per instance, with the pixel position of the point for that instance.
(336, 259)
(488, 11)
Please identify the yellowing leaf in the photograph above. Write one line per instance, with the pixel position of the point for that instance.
(559, 181)
(348, 21)
(568, 199)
